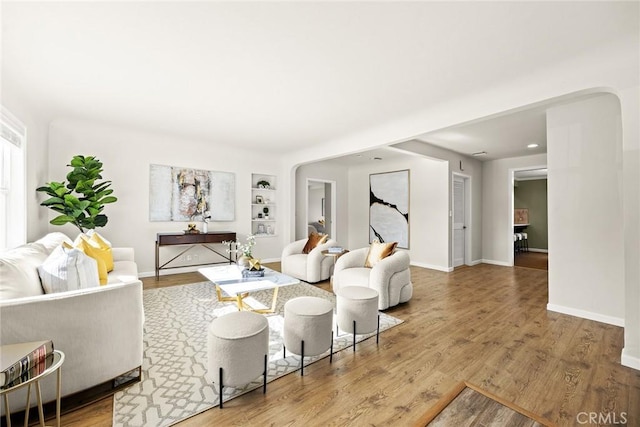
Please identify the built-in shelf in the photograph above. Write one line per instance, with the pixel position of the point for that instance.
(263, 197)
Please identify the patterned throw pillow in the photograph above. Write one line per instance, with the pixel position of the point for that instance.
(314, 240)
(86, 248)
(67, 270)
(378, 251)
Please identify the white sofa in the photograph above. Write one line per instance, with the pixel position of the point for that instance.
(391, 276)
(99, 329)
(312, 267)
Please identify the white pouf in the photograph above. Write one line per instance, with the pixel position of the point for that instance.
(238, 349)
(357, 311)
(308, 327)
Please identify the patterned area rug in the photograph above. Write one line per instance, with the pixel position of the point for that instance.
(173, 385)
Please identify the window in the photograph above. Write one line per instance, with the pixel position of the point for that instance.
(13, 212)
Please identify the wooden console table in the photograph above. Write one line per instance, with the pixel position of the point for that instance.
(191, 240)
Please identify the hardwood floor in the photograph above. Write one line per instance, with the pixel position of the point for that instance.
(532, 260)
(484, 324)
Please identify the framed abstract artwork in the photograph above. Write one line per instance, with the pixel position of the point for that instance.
(389, 207)
(185, 194)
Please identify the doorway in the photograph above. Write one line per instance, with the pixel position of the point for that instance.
(529, 218)
(321, 207)
(460, 218)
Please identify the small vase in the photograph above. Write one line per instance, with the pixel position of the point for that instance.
(243, 261)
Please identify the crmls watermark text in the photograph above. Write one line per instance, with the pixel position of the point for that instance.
(602, 418)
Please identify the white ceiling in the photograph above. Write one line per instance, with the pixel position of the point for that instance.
(499, 137)
(290, 74)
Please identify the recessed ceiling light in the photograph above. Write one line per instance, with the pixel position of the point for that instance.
(479, 153)
(532, 146)
(376, 158)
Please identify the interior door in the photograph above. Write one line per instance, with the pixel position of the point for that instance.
(459, 227)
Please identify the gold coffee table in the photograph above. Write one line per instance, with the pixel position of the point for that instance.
(229, 279)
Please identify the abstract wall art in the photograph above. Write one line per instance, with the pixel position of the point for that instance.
(185, 194)
(389, 207)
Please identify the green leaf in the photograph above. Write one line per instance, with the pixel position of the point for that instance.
(109, 199)
(52, 201)
(100, 220)
(61, 220)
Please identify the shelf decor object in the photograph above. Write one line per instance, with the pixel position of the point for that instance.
(263, 205)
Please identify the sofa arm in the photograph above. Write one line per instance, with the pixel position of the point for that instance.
(316, 256)
(100, 330)
(387, 267)
(352, 259)
(123, 254)
(294, 248)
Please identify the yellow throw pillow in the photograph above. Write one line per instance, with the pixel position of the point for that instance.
(378, 251)
(100, 256)
(314, 240)
(98, 242)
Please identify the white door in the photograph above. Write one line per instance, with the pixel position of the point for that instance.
(459, 227)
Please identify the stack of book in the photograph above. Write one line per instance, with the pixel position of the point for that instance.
(23, 361)
(335, 249)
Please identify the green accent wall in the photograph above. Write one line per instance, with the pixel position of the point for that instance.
(532, 195)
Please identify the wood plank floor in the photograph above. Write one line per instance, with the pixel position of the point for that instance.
(484, 324)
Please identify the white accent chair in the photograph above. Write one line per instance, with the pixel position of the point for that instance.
(390, 277)
(312, 267)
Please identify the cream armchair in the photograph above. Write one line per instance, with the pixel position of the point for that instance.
(312, 267)
(390, 276)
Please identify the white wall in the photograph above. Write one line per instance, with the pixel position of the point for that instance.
(586, 246)
(630, 112)
(497, 213)
(468, 167)
(127, 155)
(428, 208)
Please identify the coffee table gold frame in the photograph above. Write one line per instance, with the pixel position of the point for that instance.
(242, 305)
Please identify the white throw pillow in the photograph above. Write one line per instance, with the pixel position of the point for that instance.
(19, 271)
(53, 240)
(67, 270)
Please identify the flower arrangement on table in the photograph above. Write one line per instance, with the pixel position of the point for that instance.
(246, 258)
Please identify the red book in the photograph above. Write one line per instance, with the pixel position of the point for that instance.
(18, 359)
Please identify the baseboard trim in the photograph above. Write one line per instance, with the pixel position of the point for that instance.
(432, 267)
(584, 314)
(544, 251)
(475, 262)
(494, 262)
(629, 361)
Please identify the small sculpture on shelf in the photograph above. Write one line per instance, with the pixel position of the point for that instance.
(191, 229)
(266, 212)
(263, 184)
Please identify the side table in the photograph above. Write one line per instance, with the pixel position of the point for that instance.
(335, 256)
(57, 359)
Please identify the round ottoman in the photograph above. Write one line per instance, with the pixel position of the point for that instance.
(238, 349)
(357, 311)
(308, 327)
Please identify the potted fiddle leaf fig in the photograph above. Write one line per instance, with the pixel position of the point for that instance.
(80, 201)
